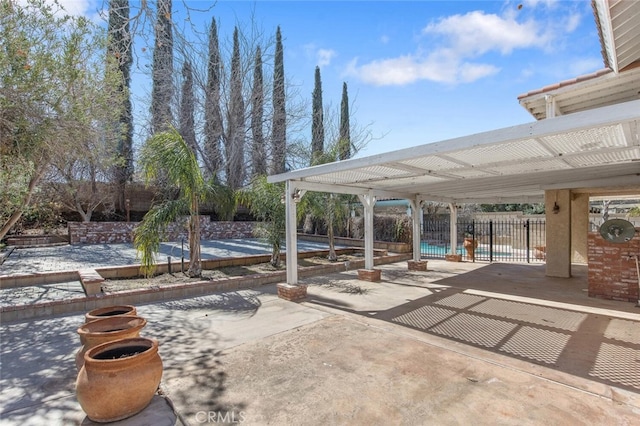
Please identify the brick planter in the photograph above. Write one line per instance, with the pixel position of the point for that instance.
(292, 293)
(372, 275)
(453, 257)
(417, 265)
(612, 268)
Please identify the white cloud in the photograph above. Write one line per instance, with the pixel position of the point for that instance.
(476, 33)
(462, 39)
(72, 7)
(469, 72)
(536, 3)
(409, 69)
(573, 20)
(324, 56)
(88, 8)
(384, 39)
(78, 7)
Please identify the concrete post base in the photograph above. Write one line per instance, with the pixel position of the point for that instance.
(453, 257)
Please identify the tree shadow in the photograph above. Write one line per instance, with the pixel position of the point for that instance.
(37, 365)
(37, 358)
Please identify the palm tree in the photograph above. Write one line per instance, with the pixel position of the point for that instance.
(330, 208)
(264, 201)
(168, 153)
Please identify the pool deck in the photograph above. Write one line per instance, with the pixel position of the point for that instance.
(461, 343)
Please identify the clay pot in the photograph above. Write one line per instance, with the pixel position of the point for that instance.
(109, 311)
(105, 330)
(470, 246)
(119, 378)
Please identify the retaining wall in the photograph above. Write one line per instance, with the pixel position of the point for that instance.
(122, 232)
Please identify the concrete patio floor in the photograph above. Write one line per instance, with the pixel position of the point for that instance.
(459, 344)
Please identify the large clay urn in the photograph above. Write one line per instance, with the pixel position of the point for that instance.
(107, 329)
(109, 311)
(119, 378)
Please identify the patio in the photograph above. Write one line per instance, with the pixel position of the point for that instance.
(460, 343)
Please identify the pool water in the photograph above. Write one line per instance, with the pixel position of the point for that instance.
(426, 248)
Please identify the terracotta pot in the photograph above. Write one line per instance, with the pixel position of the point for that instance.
(110, 311)
(470, 246)
(119, 379)
(105, 330)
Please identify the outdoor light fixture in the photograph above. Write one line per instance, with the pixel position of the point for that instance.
(296, 196)
(556, 207)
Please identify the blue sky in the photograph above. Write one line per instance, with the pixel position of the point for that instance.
(419, 71)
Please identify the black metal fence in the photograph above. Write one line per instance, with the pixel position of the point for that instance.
(490, 240)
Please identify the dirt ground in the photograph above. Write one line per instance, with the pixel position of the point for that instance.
(115, 285)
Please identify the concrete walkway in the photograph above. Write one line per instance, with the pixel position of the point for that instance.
(459, 344)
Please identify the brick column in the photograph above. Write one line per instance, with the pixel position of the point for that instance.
(292, 293)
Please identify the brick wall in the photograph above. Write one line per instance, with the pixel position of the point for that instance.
(612, 269)
(122, 232)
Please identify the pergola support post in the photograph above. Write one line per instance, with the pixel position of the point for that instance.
(453, 256)
(291, 237)
(368, 273)
(291, 290)
(416, 264)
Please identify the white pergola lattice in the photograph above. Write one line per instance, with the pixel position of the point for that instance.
(586, 151)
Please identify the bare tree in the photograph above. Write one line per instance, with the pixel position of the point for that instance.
(57, 93)
(79, 180)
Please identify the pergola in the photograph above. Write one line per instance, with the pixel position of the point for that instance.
(595, 151)
(586, 143)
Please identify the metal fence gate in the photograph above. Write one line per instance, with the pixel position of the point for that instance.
(490, 240)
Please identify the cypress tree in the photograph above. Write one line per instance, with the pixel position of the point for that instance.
(345, 136)
(187, 107)
(258, 154)
(162, 91)
(119, 50)
(236, 132)
(317, 121)
(213, 125)
(279, 127)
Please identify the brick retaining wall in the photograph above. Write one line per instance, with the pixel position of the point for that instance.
(612, 269)
(122, 232)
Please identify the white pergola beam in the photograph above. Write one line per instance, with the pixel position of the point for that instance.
(605, 116)
(349, 189)
(628, 180)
